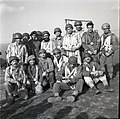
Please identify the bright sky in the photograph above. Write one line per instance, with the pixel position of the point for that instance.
(27, 15)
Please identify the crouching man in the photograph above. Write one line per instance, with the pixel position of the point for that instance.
(72, 80)
(14, 79)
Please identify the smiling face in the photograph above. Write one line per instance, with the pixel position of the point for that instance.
(106, 31)
(58, 55)
(58, 34)
(69, 30)
(14, 63)
(42, 55)
(32, 62)
(78, 28)
(87, 59)
(90, 28)
(18, 41)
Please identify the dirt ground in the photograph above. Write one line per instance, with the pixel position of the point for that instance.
(87, 106)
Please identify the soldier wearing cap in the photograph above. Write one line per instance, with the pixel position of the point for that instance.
(35, 44)
(71, 43)
(47, 69)
(91, 40)
(14, 79)
(109, 44)
(17, 49)
(72, 80)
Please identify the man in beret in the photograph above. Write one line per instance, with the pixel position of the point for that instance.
(14, 79)
(71, 43)
(72, 80)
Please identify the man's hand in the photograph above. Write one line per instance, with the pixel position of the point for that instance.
(100, 72)
(44, 74)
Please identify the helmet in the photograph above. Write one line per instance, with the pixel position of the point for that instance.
(72, 60)
(17, 36)
(45, 32)
(56, 51)
(26, 34)
(13, 58)
(87, 55)
(31, 57)
(33, 32)
(57, 30)
(105, 26)
(39, 33)
(68, 26)
(42, 51)
(77, 23)
(90, 23)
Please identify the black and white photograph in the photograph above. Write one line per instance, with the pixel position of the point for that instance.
(59, 59)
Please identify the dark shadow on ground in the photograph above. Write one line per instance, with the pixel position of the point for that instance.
(101, 117)
(82, 115)
(63, 112)
(33, 111)
(6, 111)
(115, 69)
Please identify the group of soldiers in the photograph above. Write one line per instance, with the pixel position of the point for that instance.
(65, 62)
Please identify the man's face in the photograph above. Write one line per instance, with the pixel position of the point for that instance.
(90, 28)
(18, 41)
(32, 62)
(87, 59)
(106, 31)
(34, 37)
(46, 37)
(58, 55)
(69, 30)
(14, 63)
(78, 28)
(58, 34)
(42, 55)
(25, 38)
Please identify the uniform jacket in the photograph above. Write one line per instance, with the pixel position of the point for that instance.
(74, 74)
(17, 50)
(14, 74)
(70, 42)
(109, 43)
(91, 41)
(46, 65)
(48, 46)
(58, 42)
(33, 72)
(60, 66)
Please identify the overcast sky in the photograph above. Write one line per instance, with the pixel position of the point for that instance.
(27, 15)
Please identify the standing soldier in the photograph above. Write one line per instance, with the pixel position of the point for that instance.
(71, 43)
(25, 41)
(58, 39)
(17, 49)
(109, 44)
(79, 33)
(34, 44)
(47, 44)
(91, 41)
